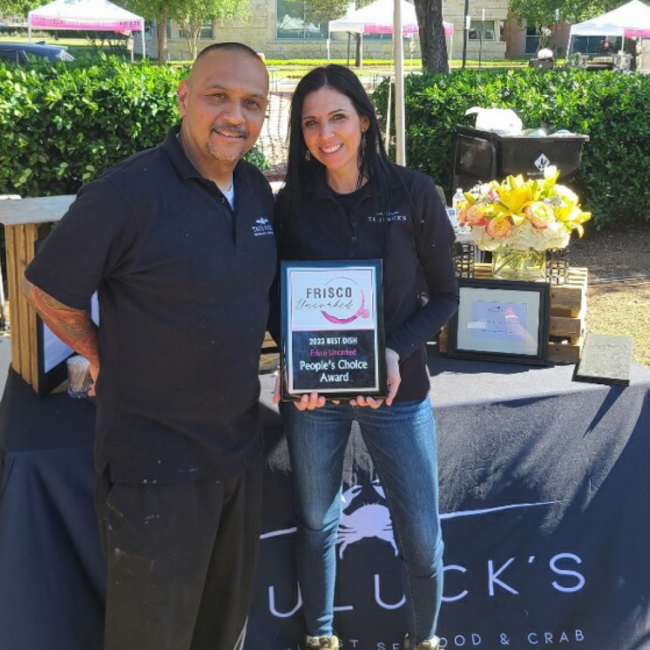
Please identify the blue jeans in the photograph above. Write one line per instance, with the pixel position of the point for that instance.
(402, 444)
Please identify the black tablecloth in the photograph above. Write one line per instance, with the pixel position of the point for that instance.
(545, 495)
(52, 574)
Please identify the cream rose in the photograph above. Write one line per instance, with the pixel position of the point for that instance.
(540, 214)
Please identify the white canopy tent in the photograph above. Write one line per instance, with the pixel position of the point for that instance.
(91, 15)
(631, 20)
(377, 18)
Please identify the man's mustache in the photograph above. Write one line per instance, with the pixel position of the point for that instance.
(232, 130)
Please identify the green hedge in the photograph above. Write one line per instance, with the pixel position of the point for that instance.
(62, 125)
(610, 107)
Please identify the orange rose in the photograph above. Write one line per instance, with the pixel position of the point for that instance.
(475, 215)
(498, 227)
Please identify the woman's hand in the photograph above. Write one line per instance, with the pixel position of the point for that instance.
(394, 379)
(310, 402)
(305, 403)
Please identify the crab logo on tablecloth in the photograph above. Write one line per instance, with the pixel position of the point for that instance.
(369, 520)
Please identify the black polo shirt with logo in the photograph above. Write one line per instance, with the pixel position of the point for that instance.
(183, 286)
(413, 239)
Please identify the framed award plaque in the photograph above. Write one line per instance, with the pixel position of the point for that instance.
(332, 329)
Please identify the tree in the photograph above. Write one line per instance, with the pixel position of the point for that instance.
(317, 11)
(162, 11)
(542, 12)
(432, 35)
(19, 7)
(197, 12)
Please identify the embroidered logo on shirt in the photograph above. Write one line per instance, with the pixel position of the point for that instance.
(386, 217)
(262, 227)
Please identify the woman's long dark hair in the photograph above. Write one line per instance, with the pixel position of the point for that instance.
(374, 163)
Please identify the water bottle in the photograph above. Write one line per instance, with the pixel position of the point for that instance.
(456, 199)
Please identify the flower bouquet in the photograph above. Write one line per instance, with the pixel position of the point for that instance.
(518, 220)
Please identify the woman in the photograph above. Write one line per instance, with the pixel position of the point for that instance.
(344, 199)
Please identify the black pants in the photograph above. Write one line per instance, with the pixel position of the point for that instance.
(181, 561)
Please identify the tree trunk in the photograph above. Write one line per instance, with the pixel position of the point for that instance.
(358, 53)
(192, 32)
(432, 36)
(195, 36)
(161, 33)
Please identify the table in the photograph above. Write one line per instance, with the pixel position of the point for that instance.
(545, 495)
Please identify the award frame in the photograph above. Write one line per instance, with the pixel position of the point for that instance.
(332, 329)
(501, 320)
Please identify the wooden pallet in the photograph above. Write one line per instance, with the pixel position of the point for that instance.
(567, 327)
(25, 222)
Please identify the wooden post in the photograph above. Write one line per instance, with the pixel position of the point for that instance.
(25, 222)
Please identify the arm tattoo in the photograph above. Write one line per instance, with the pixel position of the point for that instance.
(72, 326)
(74, 322)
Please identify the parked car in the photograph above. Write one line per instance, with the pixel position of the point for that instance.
(26, 52)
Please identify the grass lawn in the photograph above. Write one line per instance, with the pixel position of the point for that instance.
(387, 64)
(618, 301)
(78, 47)
(292, 68)
(624, 309)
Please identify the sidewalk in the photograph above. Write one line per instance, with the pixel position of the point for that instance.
(5, 360)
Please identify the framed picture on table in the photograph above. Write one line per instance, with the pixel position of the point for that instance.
(501, 320)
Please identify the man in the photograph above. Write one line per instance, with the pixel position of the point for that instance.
(179, 243)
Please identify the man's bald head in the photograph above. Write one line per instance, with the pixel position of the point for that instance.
(233, 47)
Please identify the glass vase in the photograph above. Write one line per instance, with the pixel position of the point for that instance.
(510, 264)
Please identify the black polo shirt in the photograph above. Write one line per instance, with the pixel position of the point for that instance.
(417, 246)
(183, 284)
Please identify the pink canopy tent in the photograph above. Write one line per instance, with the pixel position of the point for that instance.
(92, 15)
